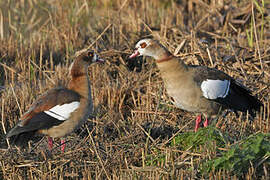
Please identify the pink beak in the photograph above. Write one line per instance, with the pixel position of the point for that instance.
(136, 53)
(100, 60)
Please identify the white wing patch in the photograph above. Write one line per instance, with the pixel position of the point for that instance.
(213, 89)
(62, 112)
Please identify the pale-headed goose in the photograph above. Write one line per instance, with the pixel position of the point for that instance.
(197, 89)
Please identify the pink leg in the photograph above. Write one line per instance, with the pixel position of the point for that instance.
(206, 122)
(50, 143)
(198, 121)
(63, 145)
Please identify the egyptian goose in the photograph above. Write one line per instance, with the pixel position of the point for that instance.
(59, 111)
(197, 89)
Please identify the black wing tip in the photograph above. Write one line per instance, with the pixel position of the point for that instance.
(255, 103)
(15, 131)
(255, 106)
(12, 132)
(22, 139)
(8, 135)
(258, 106)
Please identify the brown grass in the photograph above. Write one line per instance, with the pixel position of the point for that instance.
(133, 115)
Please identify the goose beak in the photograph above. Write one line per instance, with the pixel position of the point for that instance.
(135, 54)
(98, 59)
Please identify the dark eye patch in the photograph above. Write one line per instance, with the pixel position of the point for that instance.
(143, 45)
(90, 54)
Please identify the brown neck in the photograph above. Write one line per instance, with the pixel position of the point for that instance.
(164, 59)
(78, 70)
(79, 80)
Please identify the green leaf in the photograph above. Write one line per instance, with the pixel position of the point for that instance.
(240, 156)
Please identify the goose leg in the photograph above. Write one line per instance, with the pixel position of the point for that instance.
(63, 145)
(206, 122)
(50, 143)
(198, 121)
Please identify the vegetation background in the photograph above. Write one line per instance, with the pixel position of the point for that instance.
(136, 133)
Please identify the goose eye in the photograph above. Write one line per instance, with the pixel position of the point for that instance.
(143, 45)
(90, 54)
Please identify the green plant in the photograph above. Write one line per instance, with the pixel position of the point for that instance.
(261, 10)
(250, 34)
(251, 151)
(193, 140)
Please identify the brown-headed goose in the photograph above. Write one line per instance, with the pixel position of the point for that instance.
(59, 111)
(197, 89)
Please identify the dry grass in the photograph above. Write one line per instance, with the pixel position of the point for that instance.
(134, 119)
